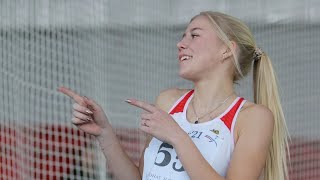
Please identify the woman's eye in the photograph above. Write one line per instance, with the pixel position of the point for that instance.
(194, 35)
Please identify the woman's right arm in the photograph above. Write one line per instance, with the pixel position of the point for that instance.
(89, 117)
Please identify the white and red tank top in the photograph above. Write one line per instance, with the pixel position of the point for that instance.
(213, 138)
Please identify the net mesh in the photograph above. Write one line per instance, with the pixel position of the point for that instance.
(112, 50)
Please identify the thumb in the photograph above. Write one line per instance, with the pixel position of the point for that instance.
(98, 115)
(91, 104)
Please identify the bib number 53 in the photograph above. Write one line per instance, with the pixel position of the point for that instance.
(167, 157)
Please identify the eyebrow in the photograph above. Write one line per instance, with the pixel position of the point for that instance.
(196, 28)
(193, 29)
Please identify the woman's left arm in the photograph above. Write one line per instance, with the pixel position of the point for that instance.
(249, 155)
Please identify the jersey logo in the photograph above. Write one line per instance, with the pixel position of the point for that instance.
(215, 131)
(211, 139)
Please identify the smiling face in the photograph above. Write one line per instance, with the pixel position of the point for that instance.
(200, 49)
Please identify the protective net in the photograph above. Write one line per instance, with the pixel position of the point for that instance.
(111, 50)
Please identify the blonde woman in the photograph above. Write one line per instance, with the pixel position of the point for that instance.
(207, 132)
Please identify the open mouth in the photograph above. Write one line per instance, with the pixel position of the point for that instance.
(184, 58)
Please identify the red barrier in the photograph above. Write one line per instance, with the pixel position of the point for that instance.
(50, 154)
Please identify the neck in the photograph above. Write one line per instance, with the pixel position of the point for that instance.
(209, 93)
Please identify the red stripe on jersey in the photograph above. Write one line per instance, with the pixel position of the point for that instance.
(180, 106)
(228, 118)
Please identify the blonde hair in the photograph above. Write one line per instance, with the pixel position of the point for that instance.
(265, 86)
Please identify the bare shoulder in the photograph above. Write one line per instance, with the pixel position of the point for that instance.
(254, 117)
(251, 110)
(168, 97)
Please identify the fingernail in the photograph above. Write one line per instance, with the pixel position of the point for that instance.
(89, 112)
(128, 101)
(89, 119)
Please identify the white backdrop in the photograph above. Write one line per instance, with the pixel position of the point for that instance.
(111, 50)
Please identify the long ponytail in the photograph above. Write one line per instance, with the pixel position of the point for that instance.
(265, 86)
(266, 93)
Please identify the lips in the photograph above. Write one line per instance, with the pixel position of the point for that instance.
(184, 57)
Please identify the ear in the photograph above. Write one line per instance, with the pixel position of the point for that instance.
(227, 53)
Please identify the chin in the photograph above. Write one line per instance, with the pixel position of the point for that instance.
(186, 75)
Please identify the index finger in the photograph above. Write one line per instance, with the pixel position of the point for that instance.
(143, 105)
(71, 94)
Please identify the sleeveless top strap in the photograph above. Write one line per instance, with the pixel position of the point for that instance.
(179, 105)
(231, 115)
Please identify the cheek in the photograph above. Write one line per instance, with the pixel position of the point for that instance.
(209, 53)
(207, 49)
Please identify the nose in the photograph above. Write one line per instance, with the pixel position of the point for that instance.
(181, 45)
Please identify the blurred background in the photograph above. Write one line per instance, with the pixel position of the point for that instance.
(111, 50)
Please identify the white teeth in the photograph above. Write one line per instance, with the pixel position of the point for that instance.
(185, 58)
